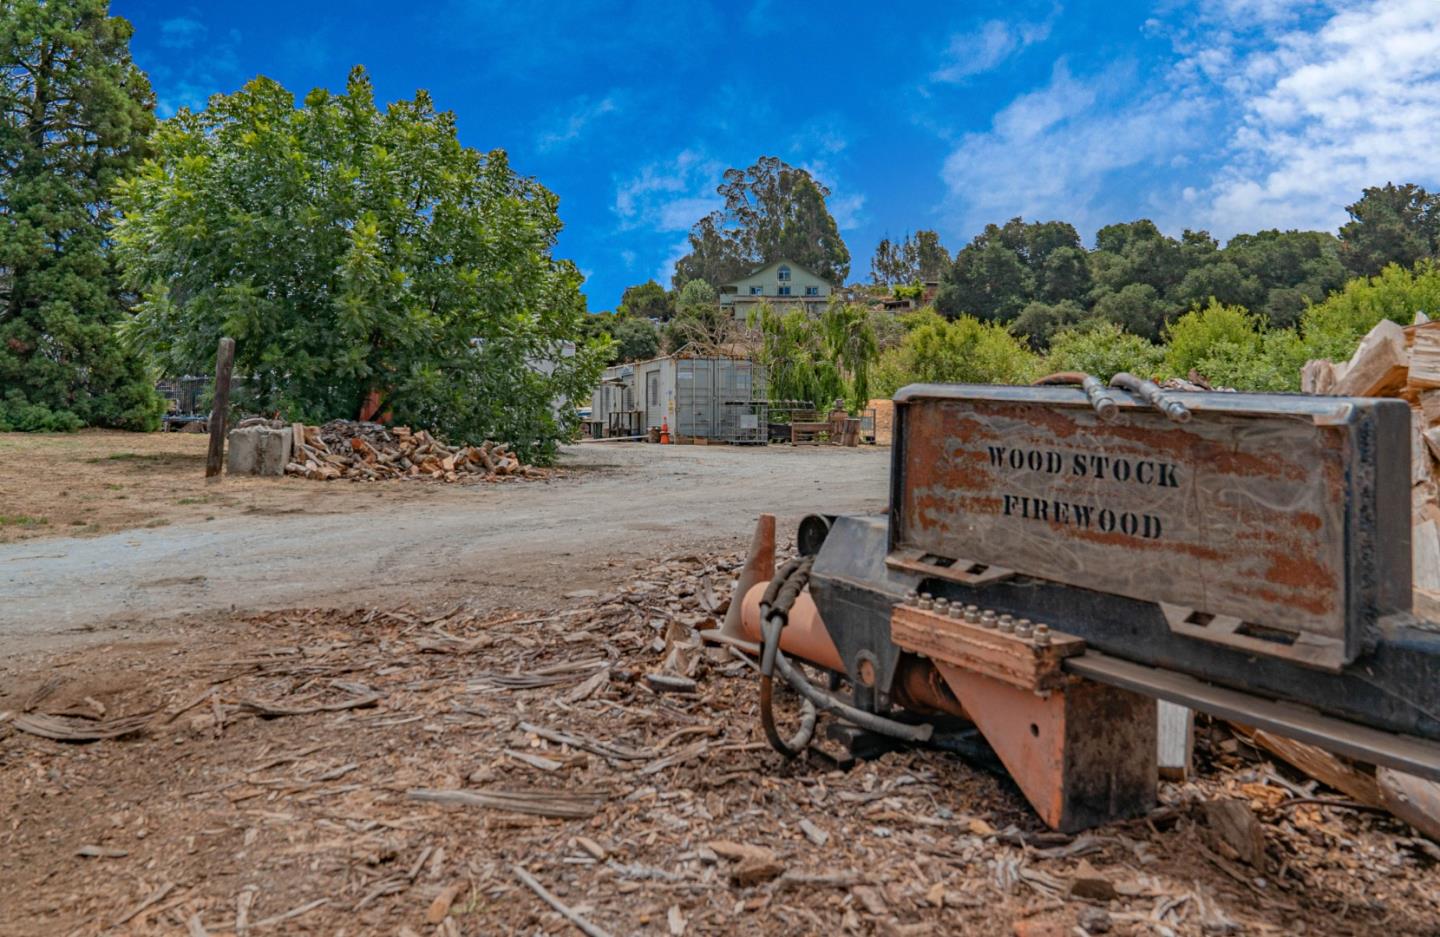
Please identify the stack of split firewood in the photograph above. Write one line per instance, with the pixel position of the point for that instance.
(1403, 362)
(370, 451)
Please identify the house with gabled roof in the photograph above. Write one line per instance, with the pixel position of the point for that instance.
(782, 283)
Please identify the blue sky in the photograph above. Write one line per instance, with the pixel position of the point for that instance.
(1227, 115)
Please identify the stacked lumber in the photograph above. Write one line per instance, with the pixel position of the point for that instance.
(1402, 362)
(363, 451)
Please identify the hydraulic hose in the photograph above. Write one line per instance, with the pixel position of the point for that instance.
(775, 604)
(1151, 393)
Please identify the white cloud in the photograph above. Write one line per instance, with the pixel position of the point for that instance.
(848, 210)
(666, 270)
(1048, 153)
(1324, 112)
(181, 32)
(670, 195)
(977, 51)
(566, 129)
(1272, 113)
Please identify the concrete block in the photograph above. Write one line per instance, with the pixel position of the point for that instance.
(259, 450)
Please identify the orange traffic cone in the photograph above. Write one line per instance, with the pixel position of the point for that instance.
(664, 432)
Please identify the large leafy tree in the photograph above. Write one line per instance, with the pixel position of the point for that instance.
(921, 257)
(647, 300)
(1006, 267)
(351, 251)
(75, 112)
(1397, 224)
(772, 210)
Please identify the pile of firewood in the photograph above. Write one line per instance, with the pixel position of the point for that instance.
(370, 451)
(1403, 362)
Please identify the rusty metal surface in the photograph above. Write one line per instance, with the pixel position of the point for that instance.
(1373, 746)
(1083, 755)
(1018, 661)
(1266, 513)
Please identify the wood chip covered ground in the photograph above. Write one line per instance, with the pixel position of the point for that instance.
(467, 771)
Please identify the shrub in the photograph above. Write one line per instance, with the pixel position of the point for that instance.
(1103, 349)
(1333, 328)
(1197, 334)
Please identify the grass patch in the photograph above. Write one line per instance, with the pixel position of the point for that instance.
(22, 520)
(204, 499)
(149, 458)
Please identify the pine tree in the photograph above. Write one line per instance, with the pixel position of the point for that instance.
(75, 112)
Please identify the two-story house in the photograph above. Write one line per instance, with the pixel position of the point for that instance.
(783, 284)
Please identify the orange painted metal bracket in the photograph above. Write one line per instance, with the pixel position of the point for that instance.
(1083, 755)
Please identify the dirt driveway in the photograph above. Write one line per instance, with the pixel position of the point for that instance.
(345, 544)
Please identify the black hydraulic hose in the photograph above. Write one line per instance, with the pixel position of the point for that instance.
(1151, 393)
(1101, 400)
(775, 604)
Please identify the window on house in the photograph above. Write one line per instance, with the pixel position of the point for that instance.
(812, 291)
(784, 291)
(756, 290)
(784, 273)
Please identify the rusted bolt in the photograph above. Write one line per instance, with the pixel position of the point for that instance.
(1042, 634)
(987, 618)
(941, 604)
(954, 610)
(911, 598)
(1006, 624)
(926, 602)
(1023, 627)
(866, 672)
(972, 614)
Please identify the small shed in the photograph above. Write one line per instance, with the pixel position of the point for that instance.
(710, 398)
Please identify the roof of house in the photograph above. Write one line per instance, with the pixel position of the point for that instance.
(775, 263)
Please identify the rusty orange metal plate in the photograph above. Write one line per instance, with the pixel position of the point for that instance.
(1265, 522)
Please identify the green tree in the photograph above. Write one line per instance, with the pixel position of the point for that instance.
(1103, 349)
(1197, 334)
(931, 257)
(1390, 224)
(1136, 308)
(850, 342)
(1006, 267)
(961, 350)
(1231, 347)
(1288, 269)
(647, 300)
(350, 250)
(1333, 328)
(630, 339)
(797, 364)
(699, 321)
(913, 260)
(988, 281)
(888, 265)
(635, 340)
(75, 112)
(1038, 321)
(772, 211)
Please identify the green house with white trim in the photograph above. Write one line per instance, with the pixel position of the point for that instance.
(783, 284)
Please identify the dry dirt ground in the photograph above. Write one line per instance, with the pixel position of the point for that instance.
(278, 772)
(163, 542)
(412, 771)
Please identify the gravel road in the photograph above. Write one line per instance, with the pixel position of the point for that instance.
(508, 544)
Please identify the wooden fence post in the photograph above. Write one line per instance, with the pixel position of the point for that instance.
(224, 364)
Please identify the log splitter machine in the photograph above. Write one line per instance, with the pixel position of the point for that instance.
(1058, 558)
